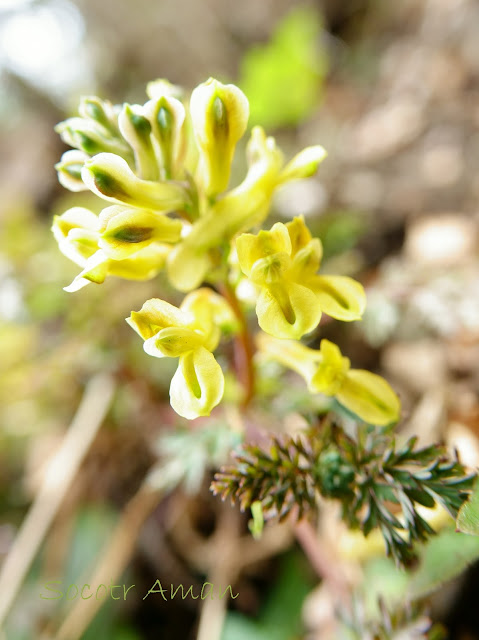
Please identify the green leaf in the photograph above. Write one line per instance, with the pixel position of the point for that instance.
(468, 517)
(282, 79)
(444, 557)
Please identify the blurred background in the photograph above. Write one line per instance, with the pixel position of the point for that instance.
(391, 90)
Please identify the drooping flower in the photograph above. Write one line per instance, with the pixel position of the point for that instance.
(190, 333)
(327, 371)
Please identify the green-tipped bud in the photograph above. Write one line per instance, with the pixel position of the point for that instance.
(91, 137)
(136, 129)
(100, 111)
(167, 116)
(304, 164)
(69, 170)
(220, 115)
(110, 177)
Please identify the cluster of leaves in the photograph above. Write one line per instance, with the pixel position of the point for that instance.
(378, 484)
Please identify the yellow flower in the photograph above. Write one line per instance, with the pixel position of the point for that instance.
(167, 116)
(219, 114)
(326, 371)
(190, 333)
(283, 263)
(111, 178)
(136, 130)
(118, 243)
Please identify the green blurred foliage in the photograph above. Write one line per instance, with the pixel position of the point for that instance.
(445, 557)
(283, 79)
(281, 615)
(468, 517)
(339, 231)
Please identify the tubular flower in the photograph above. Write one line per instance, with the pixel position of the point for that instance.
(283, 263)
(327, 371)
(219, 114)
(190, 333)
(121, 242)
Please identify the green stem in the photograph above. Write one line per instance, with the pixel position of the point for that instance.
(243, 345)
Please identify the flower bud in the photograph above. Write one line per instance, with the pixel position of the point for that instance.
(91, 137)
(304, 164)
(136, 130)
(220, 115)
(111, 178)
(100, 111)
(69, 170)
(167, 116)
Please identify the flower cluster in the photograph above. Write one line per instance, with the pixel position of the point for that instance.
(163, 170)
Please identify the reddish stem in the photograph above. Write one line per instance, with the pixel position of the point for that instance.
(243, 346)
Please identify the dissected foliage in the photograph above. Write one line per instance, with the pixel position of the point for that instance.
(378, 483)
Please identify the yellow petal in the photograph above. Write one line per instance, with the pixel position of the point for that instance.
(270, 270)
(304, 164)
(339, 296)
(79, 245)
(219, 114)
(110, 177)
(370, 397)
(128, 230)
(307, 260)
(92, 137)
(287, 311)
(187, 265)
(173, 342)
(299, 234)
(143, 265)
(289, 353)
(69, 170)
(136, 129)
(215, 305)
(167, 115)
(251, 248)
(155, 315)
(198, 384)
(74, 218)
(331, 370)
(96, 270)
(208, 309)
